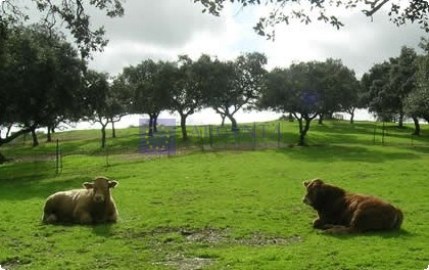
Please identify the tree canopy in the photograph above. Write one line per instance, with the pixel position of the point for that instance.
(389, 83)
(233, 85)
(74, 13)
(307, 11)
(40, 74)
(148, 84)
(310, 89)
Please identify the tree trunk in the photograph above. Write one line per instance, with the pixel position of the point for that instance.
(234, 125)
(2, 158)
(34, 135)
(183, 126)
(11, 138)
(150, 125)
(401, 119)
(416, 126)
(352, 116)
(113, 129)
(303, 131)
(155, 122)
(222, 124)
(48, 135)
(103, 135)
(8, 130)
(321, 117)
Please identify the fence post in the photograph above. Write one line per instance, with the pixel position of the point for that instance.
(278, 135)
(382, 134)
(201, 137)
(57, 158)
(106, 151)
(375, 130)
(210, 136)
(235, 132)
(254, 135)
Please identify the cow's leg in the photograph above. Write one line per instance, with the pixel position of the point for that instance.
(83, 217)
(111, 213)
(319, 224)
(48, 212)
(49, 218)
(112, 218)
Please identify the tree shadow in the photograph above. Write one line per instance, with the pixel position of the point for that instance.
(22, 183)
(345, 153)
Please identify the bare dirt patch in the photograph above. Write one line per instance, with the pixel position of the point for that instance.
(12, 262)
(181, 262)
(164, 240)
(219, 236)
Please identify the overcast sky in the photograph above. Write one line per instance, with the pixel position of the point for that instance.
(163, 29)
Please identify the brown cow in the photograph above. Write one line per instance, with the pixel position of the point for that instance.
(93, 204)
(344, 212)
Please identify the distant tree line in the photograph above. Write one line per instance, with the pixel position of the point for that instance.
(45, 81)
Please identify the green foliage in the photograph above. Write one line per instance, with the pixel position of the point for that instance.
(40, 74)
(388, 85)
(148, 84)
(216, 210)
(233, 85)
(71, 12)
(340, 90)
(187, 92)
(417, 102)
(285, 11)
(104, 103)
(309, 89)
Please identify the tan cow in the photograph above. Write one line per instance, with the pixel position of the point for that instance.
(90, 205)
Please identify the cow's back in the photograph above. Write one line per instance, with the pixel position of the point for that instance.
(63, 204)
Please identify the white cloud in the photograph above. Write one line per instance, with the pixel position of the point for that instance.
(164, 29)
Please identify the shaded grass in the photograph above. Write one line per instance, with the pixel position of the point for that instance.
(217, 210)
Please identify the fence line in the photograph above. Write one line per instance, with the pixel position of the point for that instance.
(167, 142)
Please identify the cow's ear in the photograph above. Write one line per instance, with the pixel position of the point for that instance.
(113, 183)
(318, 181)
(88, 185)
(306, 183)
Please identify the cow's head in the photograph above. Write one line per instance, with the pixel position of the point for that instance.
(314, 191)
(319, 193)
(100, 188)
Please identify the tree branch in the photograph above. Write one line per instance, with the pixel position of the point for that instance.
(15, 135)
(374, 7)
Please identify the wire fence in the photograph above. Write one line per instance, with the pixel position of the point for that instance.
(142, 143)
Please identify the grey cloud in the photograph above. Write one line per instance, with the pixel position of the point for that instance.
(372, 42)
(165, 23)
(115, 62)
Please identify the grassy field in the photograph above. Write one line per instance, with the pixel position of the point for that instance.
(217, 209)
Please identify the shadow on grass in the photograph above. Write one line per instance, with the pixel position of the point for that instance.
(103, 230)
(29, 181)
(331, 153)
(401, 233)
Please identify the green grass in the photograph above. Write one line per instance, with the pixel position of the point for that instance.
(217, 210)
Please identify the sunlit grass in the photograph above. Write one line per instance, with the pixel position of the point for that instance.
(217, 210)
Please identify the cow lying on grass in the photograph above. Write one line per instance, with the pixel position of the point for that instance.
(93, 204)
(343, 212)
